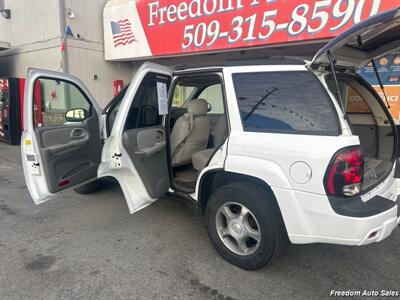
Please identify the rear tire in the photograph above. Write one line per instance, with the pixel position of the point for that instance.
(254, 234)
(88, 188)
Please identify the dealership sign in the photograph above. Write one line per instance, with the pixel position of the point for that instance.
(156, 28)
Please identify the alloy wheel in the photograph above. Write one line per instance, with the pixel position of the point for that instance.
(238, 228)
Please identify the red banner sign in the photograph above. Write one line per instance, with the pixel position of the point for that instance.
(173, 27)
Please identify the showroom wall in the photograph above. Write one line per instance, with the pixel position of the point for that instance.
(39, 46)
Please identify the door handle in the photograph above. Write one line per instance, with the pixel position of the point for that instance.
(78, 133)
(148, 151)
(159, 135)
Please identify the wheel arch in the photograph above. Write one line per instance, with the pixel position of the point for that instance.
(216, 178)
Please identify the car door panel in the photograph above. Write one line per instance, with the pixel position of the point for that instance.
(148, 151)
(135, 153)
(70, 154)
(58, 153)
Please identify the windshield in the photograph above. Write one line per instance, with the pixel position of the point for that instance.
(370, 122)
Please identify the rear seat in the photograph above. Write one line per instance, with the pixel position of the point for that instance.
(218, 135)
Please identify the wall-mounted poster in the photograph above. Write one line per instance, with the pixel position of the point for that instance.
(389, 72)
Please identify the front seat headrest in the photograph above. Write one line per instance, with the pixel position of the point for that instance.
(198, 107)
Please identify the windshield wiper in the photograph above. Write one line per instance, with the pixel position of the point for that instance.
(380, 83)
(274, 89)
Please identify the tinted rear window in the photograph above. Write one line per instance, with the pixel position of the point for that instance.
(284, 102)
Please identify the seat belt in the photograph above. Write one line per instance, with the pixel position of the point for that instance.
(180, 145)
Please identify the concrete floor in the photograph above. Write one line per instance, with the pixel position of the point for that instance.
(78, 246)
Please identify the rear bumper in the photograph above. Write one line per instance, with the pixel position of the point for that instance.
(310, 218)
(381, 232)
(355, 207)
(386, 213)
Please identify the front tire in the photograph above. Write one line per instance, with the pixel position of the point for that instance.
(245, 225)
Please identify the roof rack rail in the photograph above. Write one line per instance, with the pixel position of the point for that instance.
(272, 60)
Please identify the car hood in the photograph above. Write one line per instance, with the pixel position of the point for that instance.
(370, 39)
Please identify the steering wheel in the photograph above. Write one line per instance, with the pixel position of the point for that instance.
(209, 107)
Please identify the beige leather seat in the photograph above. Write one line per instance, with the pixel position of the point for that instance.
(218, 135)
(190, 133)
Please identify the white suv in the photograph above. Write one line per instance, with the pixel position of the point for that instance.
(271, 151)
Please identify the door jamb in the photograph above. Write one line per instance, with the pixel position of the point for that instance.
(218, 74)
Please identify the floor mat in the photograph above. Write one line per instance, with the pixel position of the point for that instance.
(186, 174)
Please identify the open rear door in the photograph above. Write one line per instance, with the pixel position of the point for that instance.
(368, 40)
(136, 152)
(62, 147)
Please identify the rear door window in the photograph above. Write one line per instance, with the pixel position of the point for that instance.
(284, 102)
(145, 110)
(213, 95)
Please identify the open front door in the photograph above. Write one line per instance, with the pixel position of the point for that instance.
(62, 147)
(136, 152)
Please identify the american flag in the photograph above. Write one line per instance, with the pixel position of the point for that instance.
(122, 32)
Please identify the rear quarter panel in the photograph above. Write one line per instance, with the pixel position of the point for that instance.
(271, 157)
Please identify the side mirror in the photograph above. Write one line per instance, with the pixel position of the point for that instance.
(76, 115)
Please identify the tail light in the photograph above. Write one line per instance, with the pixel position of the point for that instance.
(344, 176)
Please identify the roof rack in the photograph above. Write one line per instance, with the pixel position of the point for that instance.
(273, 60)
